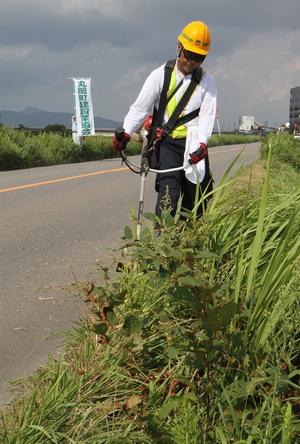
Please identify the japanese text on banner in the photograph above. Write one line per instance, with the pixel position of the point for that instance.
(84, 107)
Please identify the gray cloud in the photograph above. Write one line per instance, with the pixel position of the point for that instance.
(62, 33)
(254, 56)
(231, 21)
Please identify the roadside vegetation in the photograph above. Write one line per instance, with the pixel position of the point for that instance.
(23, 148)
(197, 339)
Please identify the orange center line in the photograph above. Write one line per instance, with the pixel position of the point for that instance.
(62, 179)
(96, 173)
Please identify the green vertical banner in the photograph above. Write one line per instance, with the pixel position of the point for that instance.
(85, 125)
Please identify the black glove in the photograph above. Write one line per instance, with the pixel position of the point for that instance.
(120, 140)
(199, 154)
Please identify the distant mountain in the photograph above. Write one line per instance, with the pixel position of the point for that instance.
(38, 118)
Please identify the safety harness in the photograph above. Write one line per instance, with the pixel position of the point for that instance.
(158, 131)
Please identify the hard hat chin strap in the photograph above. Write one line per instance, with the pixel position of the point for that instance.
(179, 49)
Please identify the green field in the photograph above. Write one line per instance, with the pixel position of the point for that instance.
(25, 149)
(197, 339)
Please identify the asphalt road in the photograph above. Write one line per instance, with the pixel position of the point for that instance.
(57, 225)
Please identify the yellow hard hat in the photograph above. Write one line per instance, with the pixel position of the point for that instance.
(195, 37)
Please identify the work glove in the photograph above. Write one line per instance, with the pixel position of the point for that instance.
(120, 140)
(148, 122)
(199, 154)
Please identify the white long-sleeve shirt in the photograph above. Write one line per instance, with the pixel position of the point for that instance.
(199, 129)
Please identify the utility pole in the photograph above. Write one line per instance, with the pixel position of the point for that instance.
(218, 123)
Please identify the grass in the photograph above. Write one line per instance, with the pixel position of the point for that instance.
(24, 149)
(197, 341)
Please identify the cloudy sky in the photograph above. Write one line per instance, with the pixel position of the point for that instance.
(255, 54)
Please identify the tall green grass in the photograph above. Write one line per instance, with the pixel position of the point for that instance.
(24, 149)
(197, 341)
(286, 149)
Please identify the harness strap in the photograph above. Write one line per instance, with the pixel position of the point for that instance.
(173, 120)
(184, 119)
(164, 94)
(155, 111)
(174, 91)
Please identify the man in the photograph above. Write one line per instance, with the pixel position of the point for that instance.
(176, 143)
